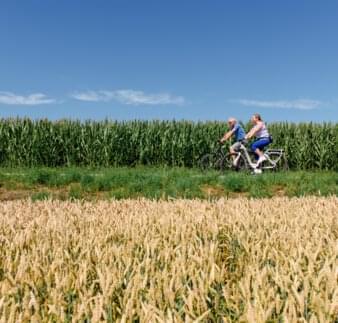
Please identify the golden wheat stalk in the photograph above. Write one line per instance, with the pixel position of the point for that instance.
(169, 261)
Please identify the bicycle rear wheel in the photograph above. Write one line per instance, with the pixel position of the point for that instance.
(211, 161)
(283, 164)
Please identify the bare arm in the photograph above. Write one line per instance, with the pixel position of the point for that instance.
(253, 131)
(227, 135)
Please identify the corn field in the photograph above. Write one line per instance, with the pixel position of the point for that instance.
(27, 143)
(241, 260)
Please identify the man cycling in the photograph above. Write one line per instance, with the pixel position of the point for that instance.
(260, 131)
(237, 131)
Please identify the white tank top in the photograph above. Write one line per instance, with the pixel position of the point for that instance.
(263, 132)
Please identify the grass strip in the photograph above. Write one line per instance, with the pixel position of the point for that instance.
(159, 183)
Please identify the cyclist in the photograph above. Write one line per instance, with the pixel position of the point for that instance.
(260, 131)
(237, 131)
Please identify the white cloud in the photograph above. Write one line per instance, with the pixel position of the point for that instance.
(31, 99)
(131, 97)
(89, 96)
(301, 104)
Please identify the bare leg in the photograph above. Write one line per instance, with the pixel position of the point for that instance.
(259, 152)
(233, 154)
(261, 157)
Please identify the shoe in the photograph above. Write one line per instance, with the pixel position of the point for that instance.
(257, 171)
(254, 165)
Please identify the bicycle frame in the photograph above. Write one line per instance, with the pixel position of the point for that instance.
(246, 156)
(279, 152)
(217, 159)
(272, 163)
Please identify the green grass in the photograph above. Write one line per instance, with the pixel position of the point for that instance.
(156, 183)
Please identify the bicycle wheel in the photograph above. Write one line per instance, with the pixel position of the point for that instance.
(283, 164)
(228, 161)
(211, 161)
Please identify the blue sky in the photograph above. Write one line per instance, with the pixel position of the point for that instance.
(193, 59)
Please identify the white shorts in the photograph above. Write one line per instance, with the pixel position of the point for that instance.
(236, 146)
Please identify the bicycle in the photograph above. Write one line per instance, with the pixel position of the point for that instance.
(242, 160)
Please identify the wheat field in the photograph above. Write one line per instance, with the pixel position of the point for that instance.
(240, 260)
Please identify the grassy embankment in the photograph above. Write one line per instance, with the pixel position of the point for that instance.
(157, 183)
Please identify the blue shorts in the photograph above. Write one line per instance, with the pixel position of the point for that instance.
(260, 143)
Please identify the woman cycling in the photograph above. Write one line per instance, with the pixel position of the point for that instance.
(260, 131)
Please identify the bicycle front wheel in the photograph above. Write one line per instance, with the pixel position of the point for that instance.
(211, 161)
